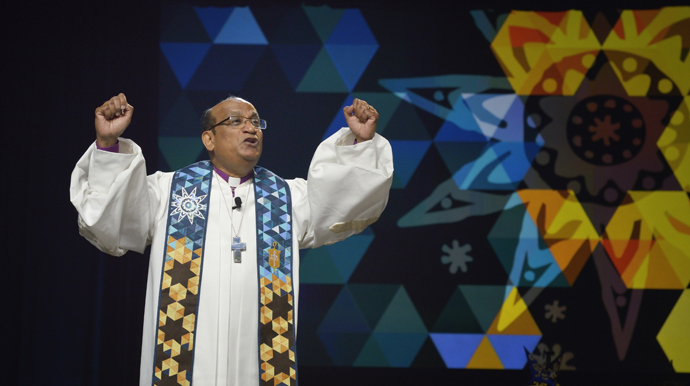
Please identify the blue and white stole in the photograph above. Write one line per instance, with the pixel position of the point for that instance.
(183, 268)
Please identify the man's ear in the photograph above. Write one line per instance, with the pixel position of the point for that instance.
(208, 139)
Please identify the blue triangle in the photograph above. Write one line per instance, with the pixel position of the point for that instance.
(295, 60)
(456, 349)
(511, 349)
(241, 28)
(348, 253)
(184, 58)
(213, 18)
(352, 29)
(344, 316)
(351, 60)
(407, 156)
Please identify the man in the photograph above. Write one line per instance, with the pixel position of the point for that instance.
(214, 228)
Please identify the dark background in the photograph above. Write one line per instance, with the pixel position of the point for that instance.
(71, 315)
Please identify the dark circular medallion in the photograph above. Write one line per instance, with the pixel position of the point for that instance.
(605, 130)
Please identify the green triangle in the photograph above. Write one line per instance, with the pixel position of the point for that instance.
(457, 316)
(401, 316)
(180, 151)
(324, 19)
(485, 301)
(317, 268)
(322, 76)
(371, 355)
(385, 103)
(372, 299)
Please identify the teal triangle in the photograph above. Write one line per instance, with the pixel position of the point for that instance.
(371, 355)
(324, 19)
(241, 28)
(457, 316)
(485, 301)
(317, 268)
(400, 349)
(348, 253)
(213, 18)
(408, 155)
(505, 234)
(322, 76)
(181, 120)
(401, 316)
(373, 299)
(180, 151)
(184, 58)
(351, 60)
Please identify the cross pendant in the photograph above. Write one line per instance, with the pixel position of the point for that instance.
(237, 247)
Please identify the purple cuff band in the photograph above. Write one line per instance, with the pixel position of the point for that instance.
(113, 149)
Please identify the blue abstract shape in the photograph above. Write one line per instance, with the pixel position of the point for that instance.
(344, 316)
(499, 116)
(184, 58)
(450, 132)
(220, 69)
(456, 349)
(213, 18)
(501, 166)
(459, 113)
(532, 252)
(338, 121)
(241, 28)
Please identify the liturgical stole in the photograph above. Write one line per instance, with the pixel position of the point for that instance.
(183, 269)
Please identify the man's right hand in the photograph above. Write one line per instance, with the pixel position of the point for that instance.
(112, 118)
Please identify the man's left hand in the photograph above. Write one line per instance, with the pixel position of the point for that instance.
(362, 119)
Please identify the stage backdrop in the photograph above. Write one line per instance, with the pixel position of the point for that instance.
(540, 198)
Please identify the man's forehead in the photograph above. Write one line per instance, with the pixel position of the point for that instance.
(235, 106)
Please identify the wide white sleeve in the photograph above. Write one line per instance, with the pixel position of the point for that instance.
(115, 199)
(346, 189)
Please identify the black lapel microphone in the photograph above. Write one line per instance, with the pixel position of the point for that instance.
(238, 203)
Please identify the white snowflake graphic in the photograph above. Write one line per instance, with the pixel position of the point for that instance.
(188, 205)
(457, 256)
(554, 311)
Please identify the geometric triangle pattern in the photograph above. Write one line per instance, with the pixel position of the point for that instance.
(578, 137)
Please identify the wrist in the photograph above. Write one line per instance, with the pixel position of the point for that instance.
(105, 142)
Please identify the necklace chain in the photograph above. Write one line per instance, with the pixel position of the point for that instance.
(227, 207)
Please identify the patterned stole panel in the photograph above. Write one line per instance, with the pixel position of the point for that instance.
(277, 357)
(181, 277)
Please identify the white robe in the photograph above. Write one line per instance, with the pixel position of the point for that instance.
(122, 209)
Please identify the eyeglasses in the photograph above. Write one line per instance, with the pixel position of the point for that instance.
(237, 121)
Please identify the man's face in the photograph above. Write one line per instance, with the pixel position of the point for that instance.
(236, 147)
